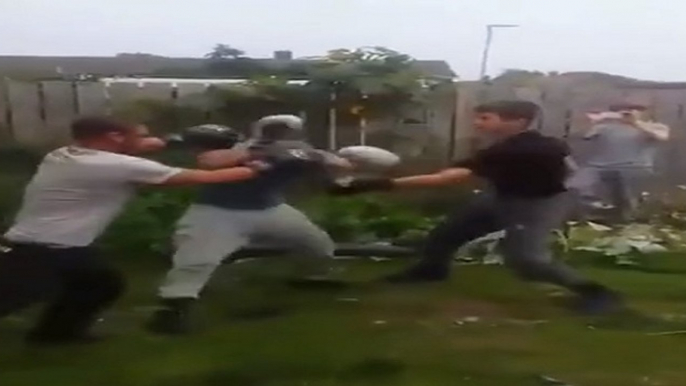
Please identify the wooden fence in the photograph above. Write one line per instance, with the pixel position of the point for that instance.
(38, 113)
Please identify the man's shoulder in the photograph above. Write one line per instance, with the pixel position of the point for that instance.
(537, 141)
(89, 156)
(98, 161)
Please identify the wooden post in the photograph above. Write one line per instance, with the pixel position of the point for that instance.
(363, 131)
(452, 133)
(567, 125)
(7, 113)
(363, 121)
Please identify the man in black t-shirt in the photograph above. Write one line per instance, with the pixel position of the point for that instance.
(527, 172)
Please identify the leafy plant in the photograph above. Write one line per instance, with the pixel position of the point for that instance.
(366, 218)
(147, 226)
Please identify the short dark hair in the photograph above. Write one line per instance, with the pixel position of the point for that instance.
(94, 127)
(510, 110)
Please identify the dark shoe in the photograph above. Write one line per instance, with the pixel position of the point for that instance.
(600, 303)
(38, 340)
(318, 284)
(172, 319)
(420, 274)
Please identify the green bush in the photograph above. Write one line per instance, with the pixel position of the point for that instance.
(16, 167)
(147, 225)
(366, 218)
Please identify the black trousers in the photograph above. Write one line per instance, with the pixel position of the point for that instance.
(75, 282)
(528, 226)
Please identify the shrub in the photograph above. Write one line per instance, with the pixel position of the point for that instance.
(147, 225)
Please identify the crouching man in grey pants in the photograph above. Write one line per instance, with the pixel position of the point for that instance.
(226, 218)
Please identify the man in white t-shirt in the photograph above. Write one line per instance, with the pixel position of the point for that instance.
(47, 254)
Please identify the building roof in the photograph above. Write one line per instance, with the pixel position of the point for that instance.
(132, 65)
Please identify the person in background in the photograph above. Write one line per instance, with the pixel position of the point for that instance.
(621, 163)
(527, 173)
(48, 254)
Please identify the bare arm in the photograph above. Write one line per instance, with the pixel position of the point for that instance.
(197, 177)
(442, 178)
(655, 131)
(225, 158)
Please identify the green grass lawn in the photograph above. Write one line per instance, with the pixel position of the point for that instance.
(482, 328)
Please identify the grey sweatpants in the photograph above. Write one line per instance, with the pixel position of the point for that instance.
(528, 226)
(621, 188)
(206, 235)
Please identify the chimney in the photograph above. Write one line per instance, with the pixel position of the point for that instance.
(283, 55)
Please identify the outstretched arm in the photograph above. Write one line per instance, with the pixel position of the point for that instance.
(225, 158)
(363, 185)
(442, 178)
(197, 177)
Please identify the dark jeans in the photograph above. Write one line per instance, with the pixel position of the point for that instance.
(75, 282)
(528, 224)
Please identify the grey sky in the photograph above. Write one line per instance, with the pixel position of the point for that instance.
(631, 37)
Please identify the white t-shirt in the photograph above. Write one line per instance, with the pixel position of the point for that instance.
(77, 192)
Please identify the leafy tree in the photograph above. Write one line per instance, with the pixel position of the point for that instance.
(225, 51)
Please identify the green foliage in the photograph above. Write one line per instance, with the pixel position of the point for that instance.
(161, 116)
(380, 79)
(16, 168)
(147, 226)
(366, 218)
(225, 51)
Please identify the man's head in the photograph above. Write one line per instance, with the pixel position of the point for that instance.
(278, 127)
(108, 134)
(630, 112)
(502, 117)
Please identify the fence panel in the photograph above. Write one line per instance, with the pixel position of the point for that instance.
(5, 127)
(92, 98)
(26, 113)
(60, 109)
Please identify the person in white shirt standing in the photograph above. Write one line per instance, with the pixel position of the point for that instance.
(48, 254)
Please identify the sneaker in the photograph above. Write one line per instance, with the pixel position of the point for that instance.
(172, 319)
(600, 303)
(420, 274)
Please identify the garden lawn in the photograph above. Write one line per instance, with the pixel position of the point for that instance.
(482, 328)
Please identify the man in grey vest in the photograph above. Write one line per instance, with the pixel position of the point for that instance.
(226, 218)
(622, 160)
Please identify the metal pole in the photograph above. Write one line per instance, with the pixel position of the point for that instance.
(487, 47)
(363, 122)
(332, 121)
(363, 131)
(487, 50)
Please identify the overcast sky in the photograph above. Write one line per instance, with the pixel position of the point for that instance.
(637, 38)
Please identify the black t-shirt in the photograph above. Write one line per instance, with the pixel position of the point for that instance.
(528, 165)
